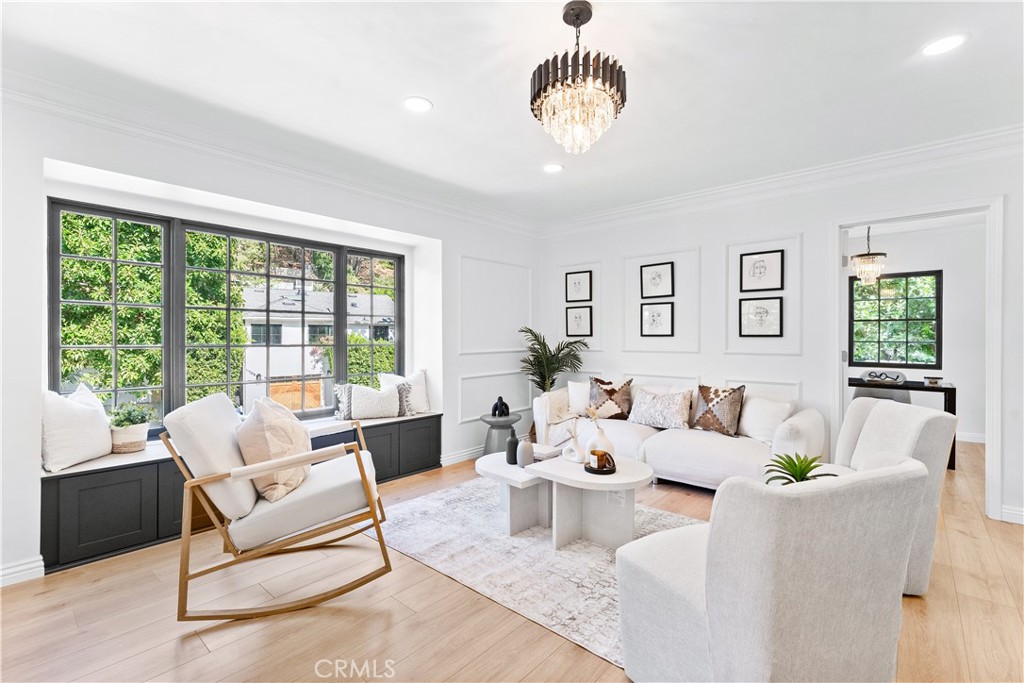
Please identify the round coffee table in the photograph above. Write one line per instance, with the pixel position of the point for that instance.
(597, 507)
(498, 431)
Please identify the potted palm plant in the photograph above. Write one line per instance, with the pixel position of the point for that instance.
(129, 427)
(542, 364)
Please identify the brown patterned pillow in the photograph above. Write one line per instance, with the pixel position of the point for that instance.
(611, 402)
(718, 409)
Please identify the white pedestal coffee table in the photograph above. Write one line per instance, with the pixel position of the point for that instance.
(597, 507)
(525, 497)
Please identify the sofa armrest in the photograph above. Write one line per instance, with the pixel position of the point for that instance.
(802, 433)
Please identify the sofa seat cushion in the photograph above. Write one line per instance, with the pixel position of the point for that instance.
(704, 458)
(627, 437)
(332, 490)
(832, 468)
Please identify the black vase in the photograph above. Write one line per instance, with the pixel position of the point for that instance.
(511, 445)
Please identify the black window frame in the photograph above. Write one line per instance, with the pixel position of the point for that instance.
(174, 306)
(906, 319)
(274, 329)
(399, 290)
(309, 331)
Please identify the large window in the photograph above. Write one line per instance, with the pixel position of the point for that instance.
(161, 312)
(108, 284)
(897, 322)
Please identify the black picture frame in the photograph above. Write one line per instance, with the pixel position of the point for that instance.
(660, 308)
(589, 278)
(744, 316)
(573, 330)
(652, 290)
(773, 260)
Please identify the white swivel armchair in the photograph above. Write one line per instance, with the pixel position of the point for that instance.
(878, 432)
(338, 499)
(786, 583)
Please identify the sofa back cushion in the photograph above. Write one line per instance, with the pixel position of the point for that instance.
(760, 417)
(204, 436)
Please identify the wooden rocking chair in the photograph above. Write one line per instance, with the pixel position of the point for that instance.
(340, 492)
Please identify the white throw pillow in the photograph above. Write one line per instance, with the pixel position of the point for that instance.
(357, 402)
(664, 411)
(579, 397)
(760, 417)
(418, 398)
(75, 429)
(558, 406)
(270, 432)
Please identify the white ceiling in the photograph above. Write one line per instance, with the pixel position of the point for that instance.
(719, 93)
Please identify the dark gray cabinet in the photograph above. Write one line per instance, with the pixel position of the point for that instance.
(102, 512)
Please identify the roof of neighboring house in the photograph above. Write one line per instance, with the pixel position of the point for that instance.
(283, 300)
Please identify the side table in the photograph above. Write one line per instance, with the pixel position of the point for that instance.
(498, 431)
(525, 497)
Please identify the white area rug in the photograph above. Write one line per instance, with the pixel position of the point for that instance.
(572, 591)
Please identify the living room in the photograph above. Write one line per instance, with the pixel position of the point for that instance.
(707, 239)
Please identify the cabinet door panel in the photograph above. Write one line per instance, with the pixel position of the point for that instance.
(420, 447)
(107, 511)
(383, 442)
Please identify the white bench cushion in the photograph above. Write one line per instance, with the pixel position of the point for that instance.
(204, 436)
(704, 458)
(332, 490)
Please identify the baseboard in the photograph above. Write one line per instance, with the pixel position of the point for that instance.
(461, 456)
(1012, 514)
(970, 437)
(16, 572)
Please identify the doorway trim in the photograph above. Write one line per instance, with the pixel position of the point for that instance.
(991, 209)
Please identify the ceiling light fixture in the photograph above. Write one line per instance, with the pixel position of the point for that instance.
(943, 45)
(869, 265)
(576, 97)
(553, 168)
(418, 104)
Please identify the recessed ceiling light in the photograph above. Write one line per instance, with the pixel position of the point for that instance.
(553, 168)
(418, 104)
(943, 45)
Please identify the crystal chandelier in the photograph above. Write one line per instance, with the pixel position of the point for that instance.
(576, 97)
(869, 265)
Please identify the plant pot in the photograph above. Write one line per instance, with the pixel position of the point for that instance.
(130, 439)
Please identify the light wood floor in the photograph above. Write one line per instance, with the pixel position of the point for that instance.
(113, 620)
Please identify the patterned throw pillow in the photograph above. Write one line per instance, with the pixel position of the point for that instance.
(610, 401)
(404, 399)
(664, 411)
(718, 409)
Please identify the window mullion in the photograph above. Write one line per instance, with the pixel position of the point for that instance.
(174, 316)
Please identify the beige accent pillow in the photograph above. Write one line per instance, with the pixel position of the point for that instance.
(271, 432)
(664, 411)
(718, 409)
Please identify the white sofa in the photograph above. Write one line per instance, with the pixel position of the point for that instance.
(689, 456)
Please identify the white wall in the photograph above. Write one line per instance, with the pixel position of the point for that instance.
(803, 360)
(960, 254)
(33, 132)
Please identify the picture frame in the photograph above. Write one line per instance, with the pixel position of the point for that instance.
(763, 271)
(657, 320)
(761, 316)
(657, 280)
(579, 321)
(579, 286)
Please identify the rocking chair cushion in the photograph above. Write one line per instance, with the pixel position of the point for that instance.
(332, 490)
(204, 435)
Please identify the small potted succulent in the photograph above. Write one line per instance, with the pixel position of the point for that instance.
(129, 427)
(790, 469)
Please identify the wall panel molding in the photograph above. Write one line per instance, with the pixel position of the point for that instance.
(517, 404)
(488, 312)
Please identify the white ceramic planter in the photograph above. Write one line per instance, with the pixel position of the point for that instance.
(130, 439)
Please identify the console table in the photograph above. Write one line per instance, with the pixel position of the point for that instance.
(947, 390)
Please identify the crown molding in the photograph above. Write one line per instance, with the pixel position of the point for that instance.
(952, 152)
(294, 169)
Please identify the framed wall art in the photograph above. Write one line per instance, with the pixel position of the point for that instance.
(657, 280)
(579, 321)
(657, 320)
(578, 286)
(762, 271)
(761, 317)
